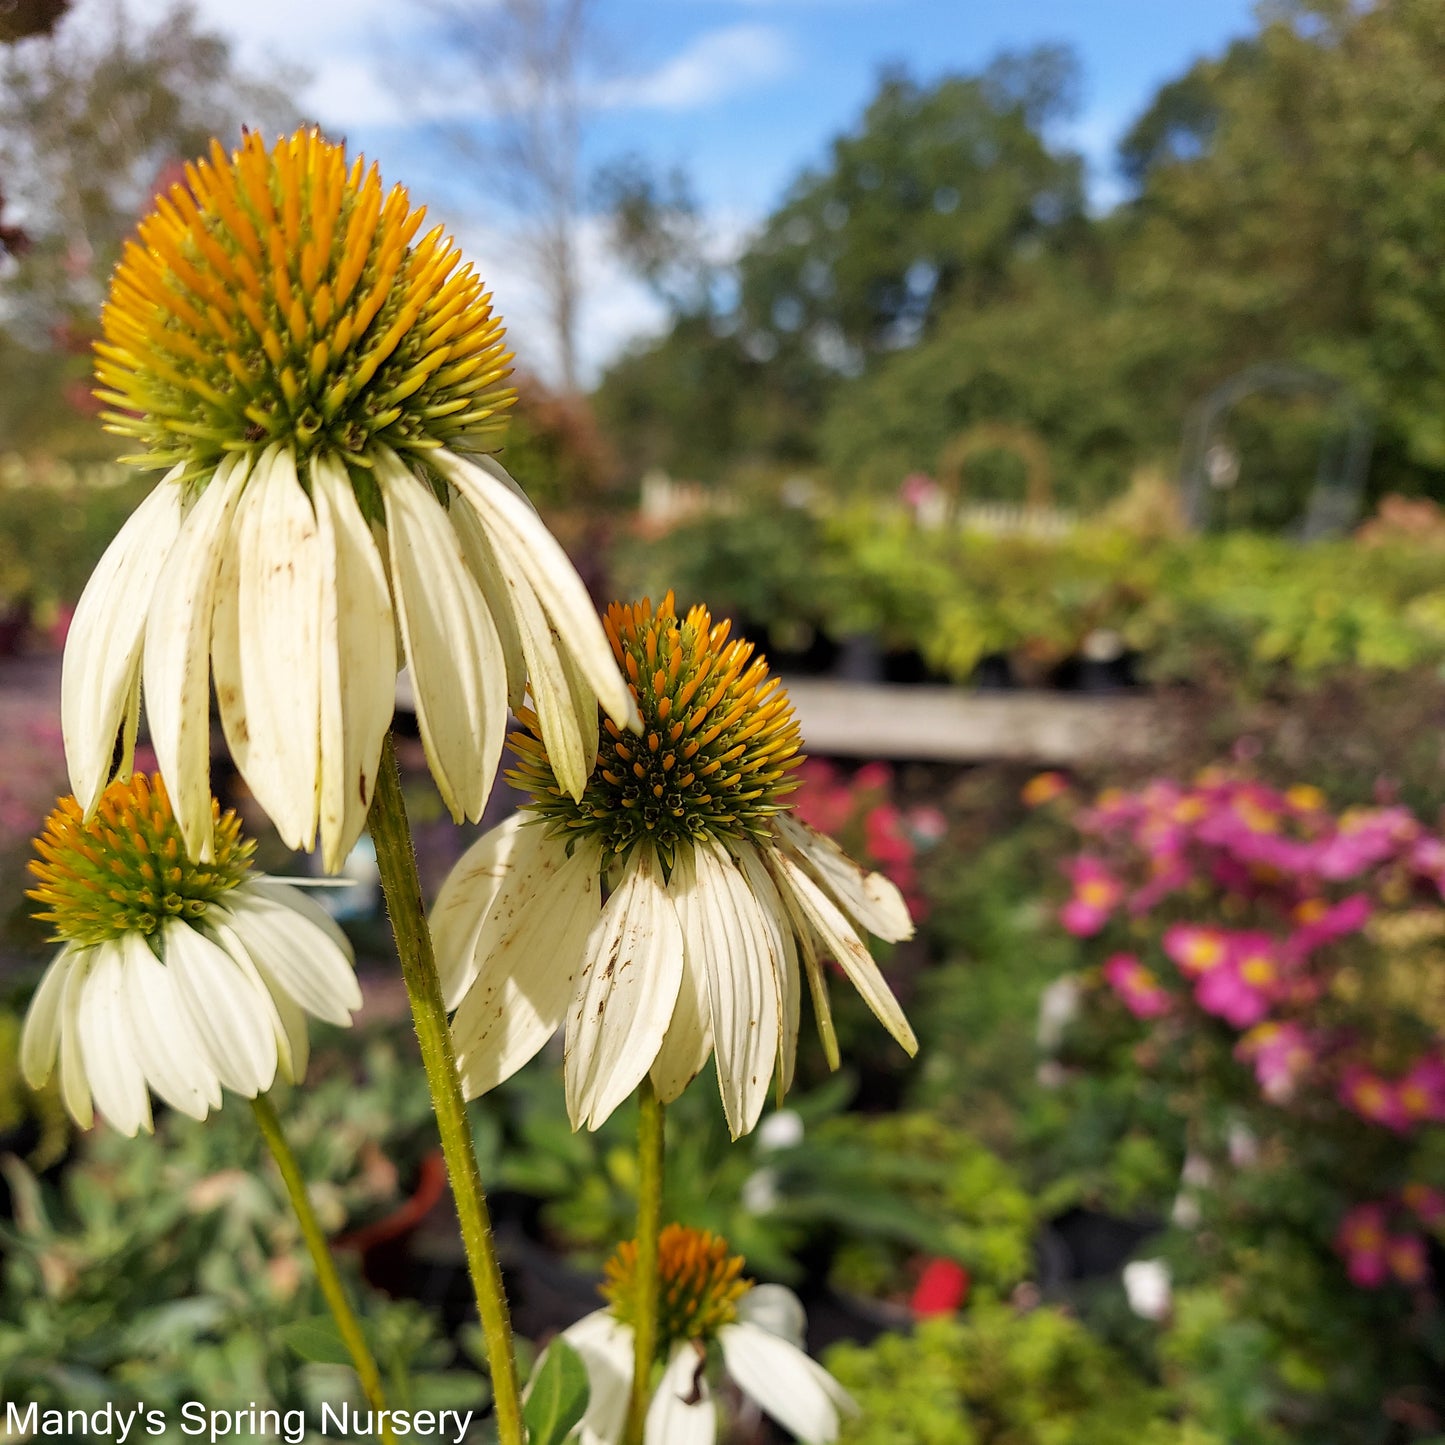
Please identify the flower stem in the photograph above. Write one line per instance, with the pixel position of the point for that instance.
(649, 1226)
(396, 861)
(326, 1274)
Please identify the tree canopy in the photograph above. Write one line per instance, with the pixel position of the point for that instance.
(940, 273)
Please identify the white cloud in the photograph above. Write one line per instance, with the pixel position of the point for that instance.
(362, 69)
(357, 60)
(716, 64)
(617, 309)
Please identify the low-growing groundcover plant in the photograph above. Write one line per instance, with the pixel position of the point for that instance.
(997, 1375)
(169, 1269)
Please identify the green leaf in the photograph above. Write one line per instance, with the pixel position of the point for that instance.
(557, 1395)
(317, 1341)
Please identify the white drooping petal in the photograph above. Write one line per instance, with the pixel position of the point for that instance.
(358, 661)
(230, 1009)
(818, 988)
(177, 653)
(166, 1043)
(302, 959)
(482, 559)
(518, 534)
(566, 705)
(271, 995)
(682, 1411)
(74, 1086)
(839, 938)
(869, 899)
(267, 646)
(529, 948)
(776, 1309)
(279, 890)
(722, 926)
(466, 897)
(115, 1075)
(458, 671)
(688, 1043)
(795, 1390)
(293, 1043)
(40, 1038)
(631, 972)
(606, 1347)
(778, 922)
(101, 669)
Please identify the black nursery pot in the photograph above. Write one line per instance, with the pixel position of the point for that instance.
(1091, 675)
(817, 659)
(907, 667)
(994, 673)
(860, 658)
(1082, 1244)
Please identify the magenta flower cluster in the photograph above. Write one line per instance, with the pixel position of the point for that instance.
(1252, 905)
(1382, 1240)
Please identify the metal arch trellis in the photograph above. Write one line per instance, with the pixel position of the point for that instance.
(1344, 457)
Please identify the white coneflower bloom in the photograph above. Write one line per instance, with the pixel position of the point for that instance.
(314, 378)
(716, 894)
(175, 976)
(702, 1300)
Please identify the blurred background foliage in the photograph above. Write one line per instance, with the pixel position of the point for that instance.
(941, 270)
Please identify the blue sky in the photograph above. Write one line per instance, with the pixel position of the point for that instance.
(741, 93)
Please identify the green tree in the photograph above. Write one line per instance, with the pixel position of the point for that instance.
(938, 198)
(931, 200)
(1291, 206)
(94, 119)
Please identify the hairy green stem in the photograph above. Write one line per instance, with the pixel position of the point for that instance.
(320, 1251)
(396, 861)
(649, 1227)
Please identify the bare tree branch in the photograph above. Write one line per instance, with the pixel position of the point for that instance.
(529, 56)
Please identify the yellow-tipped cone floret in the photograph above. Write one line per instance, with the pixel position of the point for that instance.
(278, 295)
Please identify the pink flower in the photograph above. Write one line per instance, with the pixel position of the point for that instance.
(1427, 858)
(1096, 894)
(873, 777)
(917, 489)
(884, 836)
(1364, 839)
(1225, 992)
(1167, 875)
(1362, 1241)
(823, 802)
(1322, 923)
(1112, 809)
(1137, 987)
(1422, 1091)
(1405, 1254)
(1281, 1054)
(1428, 1204)
(927, 825)
(1195, 949)
(1373, 1098)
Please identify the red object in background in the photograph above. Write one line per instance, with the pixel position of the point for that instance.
(431, 1184)
(942, 1288)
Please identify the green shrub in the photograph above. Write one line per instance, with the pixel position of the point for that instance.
(995, 1376)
